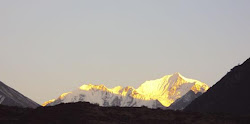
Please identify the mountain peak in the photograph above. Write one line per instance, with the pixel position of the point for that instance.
(177, 73)
(170, 87)
(91, 86)
(164, 90)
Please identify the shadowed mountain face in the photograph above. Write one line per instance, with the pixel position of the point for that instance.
(230, 95)
(184, 101)
(86, 113)
(11, 97)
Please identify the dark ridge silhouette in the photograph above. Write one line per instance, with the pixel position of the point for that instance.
(229, 95)
(86, 113)
(11, 97)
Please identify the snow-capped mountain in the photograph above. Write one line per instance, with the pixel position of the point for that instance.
(11, 97)
(99, 94)
(153, 94)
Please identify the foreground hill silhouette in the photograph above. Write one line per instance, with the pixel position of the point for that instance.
(229, 95)
(86, 113)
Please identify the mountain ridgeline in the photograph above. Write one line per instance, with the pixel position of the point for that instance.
(229, 95)
(11, 97)
(228, 98)
(159, 93)
(86, 113)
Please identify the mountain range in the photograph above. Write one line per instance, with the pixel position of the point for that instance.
(157, 93)
(86, 113)
(226, 102)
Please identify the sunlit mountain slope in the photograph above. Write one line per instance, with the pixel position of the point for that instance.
(153, 94)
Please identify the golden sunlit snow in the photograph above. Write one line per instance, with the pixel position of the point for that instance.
(47, 102)
(166, 89)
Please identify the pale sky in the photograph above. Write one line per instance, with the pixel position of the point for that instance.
(49, 47)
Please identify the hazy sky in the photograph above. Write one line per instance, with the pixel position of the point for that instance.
(49, 47)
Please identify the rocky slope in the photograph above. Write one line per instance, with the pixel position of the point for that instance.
(184, 101)
(11, 97)
(229, 95)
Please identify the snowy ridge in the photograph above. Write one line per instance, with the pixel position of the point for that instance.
(171, 87)
(98, 94)
(153, 94)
